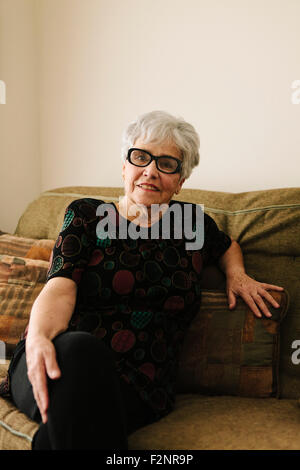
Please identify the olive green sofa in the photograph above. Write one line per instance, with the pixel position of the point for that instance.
(239, 377)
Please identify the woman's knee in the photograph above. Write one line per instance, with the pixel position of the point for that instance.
(87, 368)
(82, 348)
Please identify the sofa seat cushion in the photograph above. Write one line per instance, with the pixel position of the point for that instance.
(226, 423)
(16, 430)
(198, 423)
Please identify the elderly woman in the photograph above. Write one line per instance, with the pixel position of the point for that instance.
(100, 357)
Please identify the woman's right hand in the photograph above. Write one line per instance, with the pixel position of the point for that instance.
(41, 362)
(50, 315)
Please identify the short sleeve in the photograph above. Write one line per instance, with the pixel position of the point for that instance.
(76, 241)
(216, 242)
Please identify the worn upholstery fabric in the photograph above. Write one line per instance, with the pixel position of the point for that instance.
(232, 352)
(21, 280)
(224, 423)
(25, 247)
(16, 430)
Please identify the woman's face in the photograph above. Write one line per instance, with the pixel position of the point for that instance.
(163, 185)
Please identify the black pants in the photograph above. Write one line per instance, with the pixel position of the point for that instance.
(90, 407)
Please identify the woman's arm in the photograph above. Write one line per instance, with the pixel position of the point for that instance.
(238, 283)
(53, 308)
(50, 315)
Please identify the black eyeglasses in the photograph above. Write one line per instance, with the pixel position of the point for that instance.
(165, 164)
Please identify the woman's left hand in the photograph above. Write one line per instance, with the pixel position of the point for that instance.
(252, 292)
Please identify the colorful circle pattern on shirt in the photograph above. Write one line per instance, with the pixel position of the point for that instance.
(138, 296)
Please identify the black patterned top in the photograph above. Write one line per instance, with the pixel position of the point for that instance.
(137, 295)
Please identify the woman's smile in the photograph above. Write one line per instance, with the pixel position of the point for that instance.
(147, 187)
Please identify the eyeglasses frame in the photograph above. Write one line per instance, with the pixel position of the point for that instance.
(177, 170)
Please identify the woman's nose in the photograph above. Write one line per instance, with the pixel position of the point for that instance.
(151, 169)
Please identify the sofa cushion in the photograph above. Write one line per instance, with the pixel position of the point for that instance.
(25, 247)
(197, 423)
(43, 218)
(223, 423)
(232, 352)
(16, 430)
(21, 280)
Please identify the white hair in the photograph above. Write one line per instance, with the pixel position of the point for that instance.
(160, 126)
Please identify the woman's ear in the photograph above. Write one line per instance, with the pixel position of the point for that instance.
(179, 186)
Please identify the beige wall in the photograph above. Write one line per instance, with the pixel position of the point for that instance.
(226, 66)
(20, 164)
